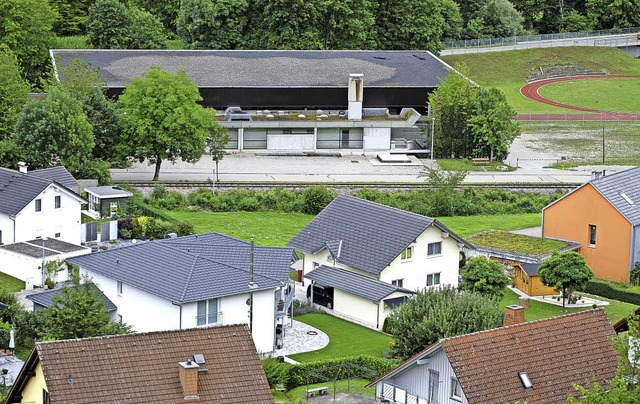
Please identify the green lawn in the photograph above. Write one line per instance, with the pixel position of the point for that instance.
(10, 284)
(268, 228)
(538, 310)
(467, 165)
(619, 95)
(508, 70)
(465, 226)
(299, 394)
(345, 338)
(519, 243)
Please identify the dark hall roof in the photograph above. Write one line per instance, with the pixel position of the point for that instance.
(268, 68)
(45, 299)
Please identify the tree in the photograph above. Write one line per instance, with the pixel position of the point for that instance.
(216, 142)
(444, 194)
(349, 24)
(497, 19)
(433, 314)
(71, 16)
(485, 277)
(417, 24)
(614, 13)
(79, 311)
(13, 92)
(566, 271)
(166, 10)
(492, 125)
(285, 24)
(111, 25)
(213, 24)
(452, 105)
(162, 119)
(55, 130)
(25, 28)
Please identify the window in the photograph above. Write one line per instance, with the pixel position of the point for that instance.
(120, 318)
(57, 203)
(433, 279)
(57, 235)
(434, 248)
(119, 288)
(0, 237)
(45, 397)
(315, 265)
(456, 390)
(38, 205)
(397, 282)
(207, 312)
(434, 384)
(592, 235)
(407, 254)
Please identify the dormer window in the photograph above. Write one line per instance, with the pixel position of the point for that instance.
(407, 254)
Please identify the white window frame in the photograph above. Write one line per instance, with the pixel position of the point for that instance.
(432, 254)
(406, 254)
(38, 204)
(398, 283)
(57, 202)
(119, 287)
(593, 234)
(433, 278)
(434, 386)
(204, 317)
(456, 390)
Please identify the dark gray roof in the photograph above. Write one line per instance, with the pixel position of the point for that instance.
(530, 269)
(188, 269)
(616, 186)
(109, 192)
(45, 299)
(18, 189)
(33, 248)
(268, 68)
(353, 283)
(372, 235)
(58, 174)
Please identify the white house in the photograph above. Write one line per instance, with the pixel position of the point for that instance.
(24, 260)
(39, 204)
(364, 258)
(196, 281)
(535, 362)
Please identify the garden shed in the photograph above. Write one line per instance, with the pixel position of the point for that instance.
(105, 201)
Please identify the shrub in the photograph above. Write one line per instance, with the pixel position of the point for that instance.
(157, 228)
(276, 372)
(316, 198)
(362, 366)
(612, 291)
(184, 228)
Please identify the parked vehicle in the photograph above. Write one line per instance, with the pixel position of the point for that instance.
(321, 295)
(236, 114)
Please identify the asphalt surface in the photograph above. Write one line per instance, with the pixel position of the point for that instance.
(353, 168)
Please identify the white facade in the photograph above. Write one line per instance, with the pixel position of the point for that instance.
(28, 268)
(145, 312)
(416, 384)
(61, 222)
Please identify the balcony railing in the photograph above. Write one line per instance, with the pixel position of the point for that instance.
(209, 319)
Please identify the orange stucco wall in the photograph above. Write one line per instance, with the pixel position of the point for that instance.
(530, 285)
(570, 217)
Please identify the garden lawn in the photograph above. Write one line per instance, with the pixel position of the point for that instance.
(345, 338)
(508, 70)
(268, 228)
(10, 284)
(519, 243)
(538, 310)
(467, 165)
(299, 394)
(465, 226)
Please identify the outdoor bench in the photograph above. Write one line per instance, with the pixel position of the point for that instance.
(318, 391)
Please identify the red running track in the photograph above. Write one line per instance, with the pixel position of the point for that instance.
(531, 91)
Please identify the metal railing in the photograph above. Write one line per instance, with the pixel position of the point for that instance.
(209, 319)
(617, 37)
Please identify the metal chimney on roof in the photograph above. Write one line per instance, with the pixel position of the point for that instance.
(356, 83)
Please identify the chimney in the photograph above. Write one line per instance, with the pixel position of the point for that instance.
(596, 175)
(22, 166)
(514, 315)
(189, 379)
(355, 97)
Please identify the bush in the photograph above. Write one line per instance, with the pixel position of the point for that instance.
(316, 198)
(157, 228)
(361, 367)
(277, 372)
(612, 291)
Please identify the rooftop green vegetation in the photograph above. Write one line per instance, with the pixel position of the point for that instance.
(508, 70)
(518, 243)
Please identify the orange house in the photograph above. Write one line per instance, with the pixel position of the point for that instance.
(527, 280)
(604, 216)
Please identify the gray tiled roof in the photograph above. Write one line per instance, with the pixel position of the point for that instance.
(268, 68)
(188, 269)
(614, 186)
(353, 283)
(109, 192)
(18, 189)
(372, 235)
(58, 174)
(530, 269)
(45, 299)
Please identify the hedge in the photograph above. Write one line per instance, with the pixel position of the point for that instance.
(354, 367)
(612, 291)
